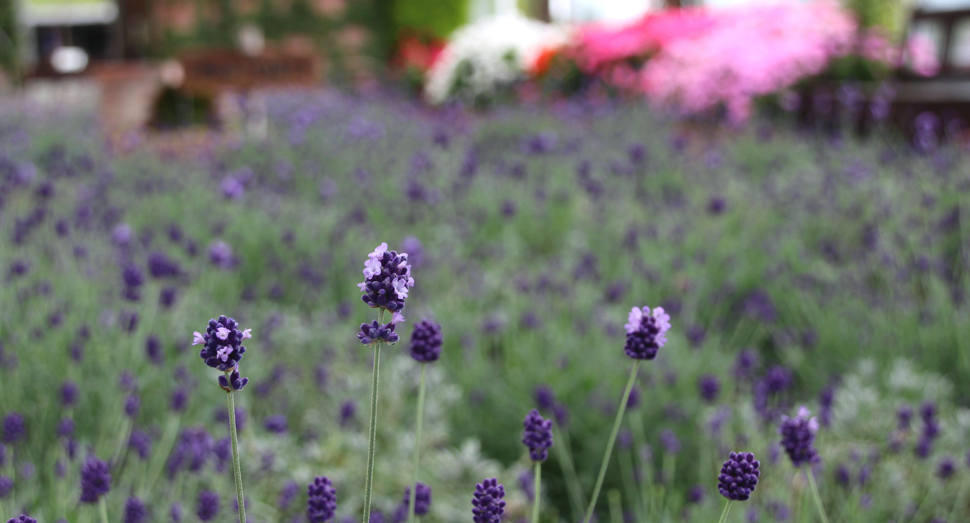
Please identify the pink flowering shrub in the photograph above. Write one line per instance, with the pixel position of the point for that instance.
(749, 52)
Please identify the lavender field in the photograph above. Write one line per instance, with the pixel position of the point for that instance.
(798, 268)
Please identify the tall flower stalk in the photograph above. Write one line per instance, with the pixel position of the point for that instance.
(538, 438)
(646, 334)
(797, 437)
(426, 341)
(738, 479)
(387, 279)
(222, 349)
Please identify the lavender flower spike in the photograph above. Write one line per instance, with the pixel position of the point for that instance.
(538, 436)
(374, 332)
(426, 341)
(322, 500)
(222, 343)
(797, 436)
(646, 332)
(23, 518)
(387, 278)
(739, 476)
(95, 480)
(488, 505)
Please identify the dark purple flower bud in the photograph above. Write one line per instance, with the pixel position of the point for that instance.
(132, 404)
(6, 485)
(376, 333)
(826, 399)
(426, 341)
(842, 475)
(739, 476)
(140, 442)
(633, 401)
(625, 439)
(904, 414)
(561, 413)
(95, 480)
(646, 332)
(175, 512)
(287, 495)
(65, 428)
(153, 349)
(709, 387)
(161, 266)
(670, 441)
(538, 435)
(544, 397)
(133, 278)
(14, 428)
(234, 383)
(347, 411)
(777, 380)
(422, 499)
(946, 468)
(222, 343)
(322, 500)
(488, 504)
(387, 279)
(207, 507)
(744, 366)
(276, 424)
(797, 436)
(179, 397)
(135, 511)
(167, 296)
(68, 394)
(23, 518)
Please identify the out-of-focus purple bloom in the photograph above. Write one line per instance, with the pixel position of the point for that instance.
(179, 398)
(232, 188)
(6, 485)
(538, 435)
(132, 405)
(633, 401)
(121, 234)
(625, 439)
(161, 266)
(65, 428)
(175, 512)
(670, 441)
(797, 436)
(745, 365)
(322, 500)
(842, 475)
(696, 494)
(276, 424)
(946, 468)
(826, 399)
(220, 255)
(716, 205)
(192, 452)
(14, 428)
(527, 484)
(488, 503)
(646, 332)
(133, 278)
(153, 349)
(287, 495)
(544, 397)
(68, 394)
(561, 413)
(422, 499)
(348, 409)
(904, 414)
(135, 511)
(167, 296)
(140, 442)
(95, 480)
(739, 476)
(426, 341)
(207, 506)
(695, 336)
(709, 387)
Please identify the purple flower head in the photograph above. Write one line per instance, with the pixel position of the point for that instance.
(23, 518)
(538, 435)
(132, 404)
(6, 485)
(387, 279)
(234, 383)
(135, 511)
(347, 411)
(14, 428)
(276, 424)
(133, 278)
(322, 500)
(745, 364)
(95, 480)
(287, 494)
(797, 436)
(696, 494)
(220, 254)
(826, 399)
(709, 387)
(426, 341)
(527, 484)
(777, 380)
(68, 394)
(488, 504)
(140, 442)
(160, 265)
(222, 343)
(167, 296)
(670, 441)
(232, 188)
(946, 468)
(633, 401)
(371, 333)
(422, 499)
(561, 413)
(904, 414)
(180, 397)
(153, 349)
(175, 512)
(544, 397)
(121, 234)
(207, 506)
(646, 332)
(739, 476)
(414, 249)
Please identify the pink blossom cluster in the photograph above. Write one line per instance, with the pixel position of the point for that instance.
(749, 52)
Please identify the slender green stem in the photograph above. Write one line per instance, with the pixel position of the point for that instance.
(537, 486)
(417, 446)
(616, 508)
(609, 446)
(158, 460)
(564, 452)
(724, 514)
(627, 470)
(103, 510)
(372, 435)
(818, 499)
(236, 467)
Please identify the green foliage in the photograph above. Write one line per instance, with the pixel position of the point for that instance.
(435, 17)
(8, 35)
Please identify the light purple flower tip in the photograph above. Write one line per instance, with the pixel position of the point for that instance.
(223, 353)
(401, 288)
(197, 339)
(372, 267)
(222, 333)
(379, 251)
(248, 333)
(397, 317)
